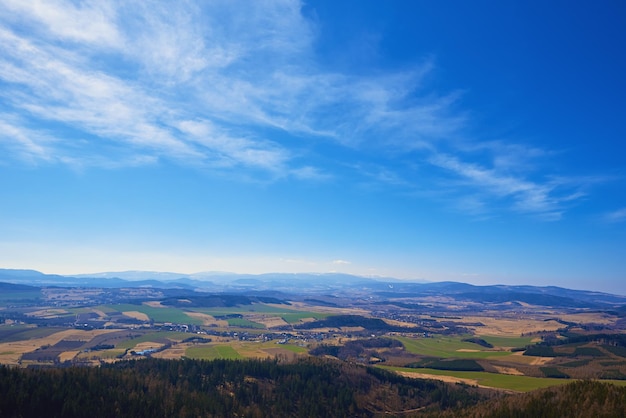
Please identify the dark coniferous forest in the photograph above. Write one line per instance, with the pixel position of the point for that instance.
(192, 388)
(261, 388)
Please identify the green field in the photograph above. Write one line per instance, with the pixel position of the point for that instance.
(81, 310)
(493, 380)
(294, 348)
(290, 316)
(211, 352)
(107, 309)
(160, 315)
(448, 347)
(507, 341)
(244, 323)
(102, 354)
(294, 318)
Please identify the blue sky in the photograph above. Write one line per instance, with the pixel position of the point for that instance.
(473, 141)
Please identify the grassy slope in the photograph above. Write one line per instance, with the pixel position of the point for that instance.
(173, 315)
(239, 350)
(211, 352)
(448, 347)
(494, 380)
(244, 323)
(290, 316)
(507, 341)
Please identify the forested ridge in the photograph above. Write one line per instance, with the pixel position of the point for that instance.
(219, 388)
(262, 388)
(579, 399)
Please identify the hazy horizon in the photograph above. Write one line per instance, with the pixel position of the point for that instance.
(209, 276)
(472, 142)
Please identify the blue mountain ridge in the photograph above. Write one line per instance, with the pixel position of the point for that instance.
(322, 284)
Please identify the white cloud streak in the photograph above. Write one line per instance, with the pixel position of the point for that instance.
(224, 85)
(145, 67)
(30, 145)
(616, 216)
(104, 102)
(546, 199)
(87, 22)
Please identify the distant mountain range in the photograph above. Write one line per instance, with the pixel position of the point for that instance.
(301, 282)
(328, 284)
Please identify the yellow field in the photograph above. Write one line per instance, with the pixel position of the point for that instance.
(268, 320)
(11, 352)
(589, 318)
(68, 355)
(509, 327)
(137, 315)
(148, 345)
(48, 313)
(208, 320)
(508, 370)
(399, 323)
(100, 313)
(448, 379)
(531, 360)
(175, 352)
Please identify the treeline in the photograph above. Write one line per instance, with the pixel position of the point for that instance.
(218, 300)
(465, 365)
(614, 343)
(565, 338)
(361, 351)
(377, 325)
(369, 324)
(262, 388)
(580, 399)
(194, 388)
(478, 341)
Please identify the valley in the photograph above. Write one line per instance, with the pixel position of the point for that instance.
(488, 337)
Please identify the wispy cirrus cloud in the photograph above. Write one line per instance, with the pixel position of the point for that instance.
(49, 85)
(88, 22)
(234, 85)
(139, 75)
(98, 101)
(30, 145)
(547, 198)
(616, 216)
